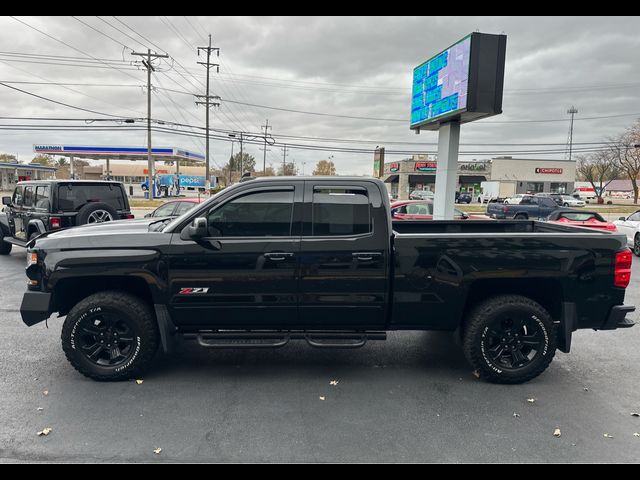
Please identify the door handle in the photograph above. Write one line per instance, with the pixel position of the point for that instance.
(278, 256)
(366, 256)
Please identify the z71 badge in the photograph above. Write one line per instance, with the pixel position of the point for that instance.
(192, 291)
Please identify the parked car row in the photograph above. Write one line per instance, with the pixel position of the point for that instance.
(560, 199)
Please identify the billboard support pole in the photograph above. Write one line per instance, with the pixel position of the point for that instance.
(447, 170)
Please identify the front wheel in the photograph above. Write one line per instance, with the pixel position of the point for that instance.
(5, 247)
(110, 336)
(509, 339)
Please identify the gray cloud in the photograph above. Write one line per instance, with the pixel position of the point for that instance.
(376, 53)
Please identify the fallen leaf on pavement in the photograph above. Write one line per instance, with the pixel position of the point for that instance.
(476, 373)
(45, 393)
(157, 451)
(322, 398)
(516, 415)
(556, 432)
(606, 435)
(45, 432)
(635, 414)
(139, 382)
(531, 400)
(334, 382)
(40, 409)
(585, 389)
(636, 434)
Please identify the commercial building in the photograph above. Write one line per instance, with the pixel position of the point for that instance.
(514, 175)
(11, 173)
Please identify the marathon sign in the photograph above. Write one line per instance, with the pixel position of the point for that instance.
(394, 167)
(48, 148)
(549, 171)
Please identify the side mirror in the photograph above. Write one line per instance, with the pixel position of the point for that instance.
(148, 215)
(196, 231)
(622, 219)
(6, 201)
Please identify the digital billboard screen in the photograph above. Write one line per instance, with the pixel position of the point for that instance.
(463, 82)
(440, 84)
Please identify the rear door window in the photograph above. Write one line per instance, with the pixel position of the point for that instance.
(42, 197)
(73, 197)
(340, 211)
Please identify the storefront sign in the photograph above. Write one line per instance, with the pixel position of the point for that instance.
(394, 167)
(555, 171)
(426, 166)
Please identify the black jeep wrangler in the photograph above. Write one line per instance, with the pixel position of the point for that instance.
(41, 206)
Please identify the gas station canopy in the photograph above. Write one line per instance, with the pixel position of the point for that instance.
(118, 153)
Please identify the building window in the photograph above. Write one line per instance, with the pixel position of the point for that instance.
(559, 188)
(535, 187)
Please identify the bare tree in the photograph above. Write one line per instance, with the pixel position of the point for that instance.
(599, 169)
(625, 150)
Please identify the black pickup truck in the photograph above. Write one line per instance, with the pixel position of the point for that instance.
(319, 258)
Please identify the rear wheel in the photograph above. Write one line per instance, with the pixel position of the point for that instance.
(520, 216)
(636, 245)
(509, 339)
(110, 336)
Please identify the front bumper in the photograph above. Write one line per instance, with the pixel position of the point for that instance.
(617, 317)
(35, 307)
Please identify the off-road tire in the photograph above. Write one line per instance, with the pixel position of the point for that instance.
(84, 213)
(5, 247)
(135, 312)
(475, 337)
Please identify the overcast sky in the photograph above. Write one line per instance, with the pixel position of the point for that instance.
(350, 66)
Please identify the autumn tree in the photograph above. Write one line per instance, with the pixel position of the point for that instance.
(325, 167)
(46, 160)
(625, 152)
(8, 158)
(599, 169)
(288, 169)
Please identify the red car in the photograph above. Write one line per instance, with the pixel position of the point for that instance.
(580, 218)
(175, 208)
(423, 210)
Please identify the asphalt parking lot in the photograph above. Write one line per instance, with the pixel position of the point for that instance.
(412, 398)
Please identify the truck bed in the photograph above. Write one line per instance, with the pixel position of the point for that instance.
(487, 227)
(438, 264)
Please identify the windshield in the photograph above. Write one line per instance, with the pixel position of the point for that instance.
(581, 216)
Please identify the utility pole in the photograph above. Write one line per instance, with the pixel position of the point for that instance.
(148, 64)
(266, 127)
(241, 156)
(572, 111)
(284, 160)
(208, 103)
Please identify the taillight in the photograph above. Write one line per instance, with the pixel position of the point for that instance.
(129, 216)
(54, 222)
(622, 269)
